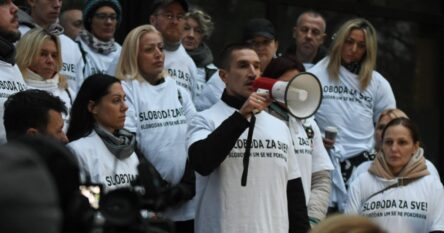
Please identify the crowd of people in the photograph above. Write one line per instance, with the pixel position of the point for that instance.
(79, 108)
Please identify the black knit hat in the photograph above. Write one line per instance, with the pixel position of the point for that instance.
(161, 3)
(92, 5)
(258, 27)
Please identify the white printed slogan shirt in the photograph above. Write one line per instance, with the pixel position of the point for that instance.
(417, 207)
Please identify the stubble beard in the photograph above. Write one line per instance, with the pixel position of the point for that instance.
(11, 36)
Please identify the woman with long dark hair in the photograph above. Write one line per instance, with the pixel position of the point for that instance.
(104, 149)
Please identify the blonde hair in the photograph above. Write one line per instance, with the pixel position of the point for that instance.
(28, 49)
(127, 67)
(392, 113)
(368, 62)
(347, 224)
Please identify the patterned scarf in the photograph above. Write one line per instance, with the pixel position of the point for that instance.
(97, 45)
(414, 169)
(121, 144)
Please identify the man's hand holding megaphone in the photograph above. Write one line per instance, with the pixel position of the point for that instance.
(255, 103)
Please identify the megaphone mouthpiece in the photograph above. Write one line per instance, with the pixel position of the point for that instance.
(300, 95)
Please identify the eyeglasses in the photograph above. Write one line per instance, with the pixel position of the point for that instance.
(314, 31)
(104, 16)
(259, 43)
(170, 16)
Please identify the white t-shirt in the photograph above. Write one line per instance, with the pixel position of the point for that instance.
(417, 207)
(181, 67)
(210, 93)
(97, 163)
(310, 153)
(11, 81)
(96, 62)
(201, 77)
(261, 206)
(158, 116)
(72, 60)
(308, 65)
(351, 110)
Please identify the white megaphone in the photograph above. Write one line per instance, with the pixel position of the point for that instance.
(302, 95)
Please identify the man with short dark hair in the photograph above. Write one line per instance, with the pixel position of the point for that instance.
(71, 20)
(11, 80)
(249, 178)
(34, 112)
(309, 35)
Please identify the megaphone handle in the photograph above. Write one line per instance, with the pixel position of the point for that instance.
(246, 159)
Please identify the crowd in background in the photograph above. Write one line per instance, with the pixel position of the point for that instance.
(156, 112)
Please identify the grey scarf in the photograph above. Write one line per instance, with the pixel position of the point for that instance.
(202, 55)
(121, 143)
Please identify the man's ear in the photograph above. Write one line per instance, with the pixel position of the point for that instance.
(295, 28)
(277, 45)
(32, 132)
(92, 107)
(323, 37)
(152, 19)
(223, 75)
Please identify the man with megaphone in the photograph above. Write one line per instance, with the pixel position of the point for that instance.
(249, 180)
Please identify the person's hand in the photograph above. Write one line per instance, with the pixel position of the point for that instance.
(256, 102)
(328, 143)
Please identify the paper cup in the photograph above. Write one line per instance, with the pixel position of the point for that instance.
(331, 132)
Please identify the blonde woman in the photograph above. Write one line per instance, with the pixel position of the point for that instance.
(158, 109)
(354, 95)
(39, 59)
